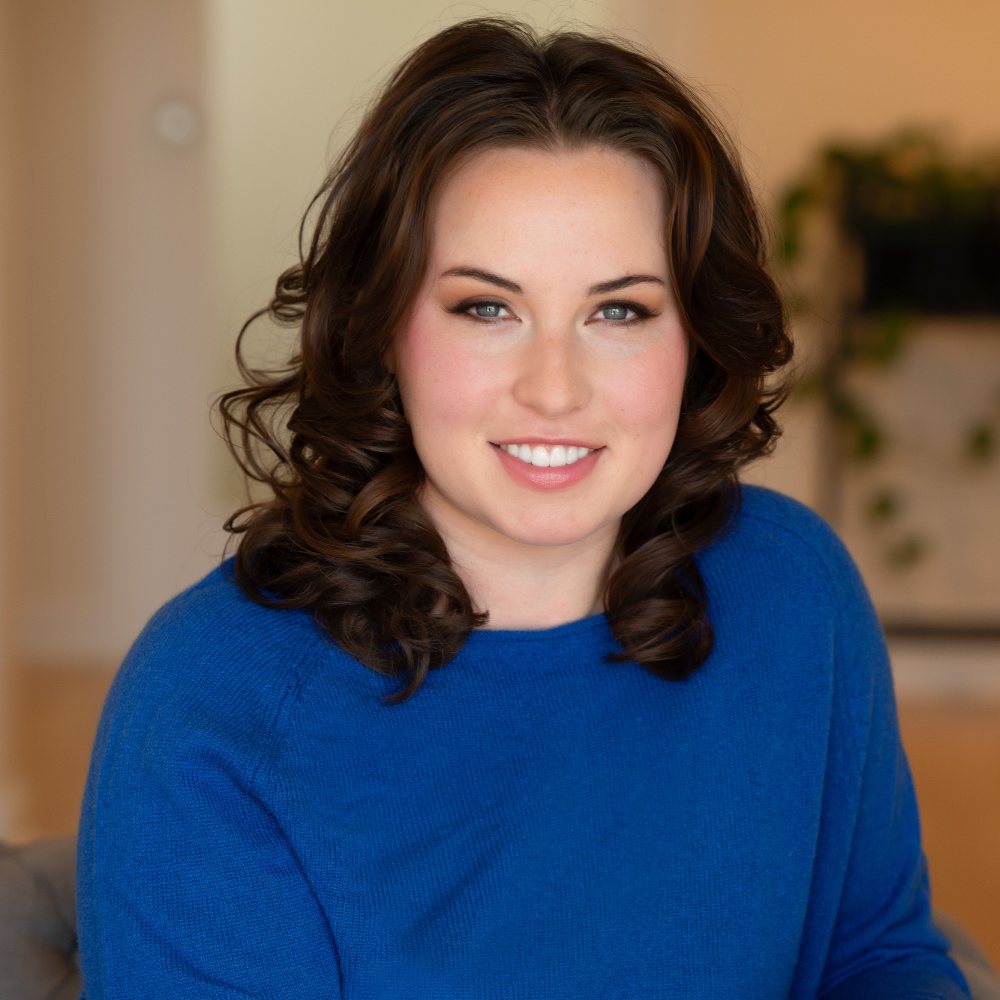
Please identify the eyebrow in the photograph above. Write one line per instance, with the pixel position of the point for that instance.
(601, 288)
(617, 284)
(487, 276)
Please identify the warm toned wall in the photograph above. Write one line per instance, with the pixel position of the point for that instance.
(794, 74)
(111, 341)
(8, 195)
(105, 473)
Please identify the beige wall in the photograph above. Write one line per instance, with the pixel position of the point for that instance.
(8, 194)
(793, 74)
(110, 339)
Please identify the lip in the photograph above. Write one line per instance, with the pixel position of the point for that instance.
(547, 479)
(550, 442)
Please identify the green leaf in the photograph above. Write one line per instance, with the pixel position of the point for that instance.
(980, 443)
(906, 552)
(866, 442)
(883, 506)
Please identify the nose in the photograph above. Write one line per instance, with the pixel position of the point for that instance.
(552, 380)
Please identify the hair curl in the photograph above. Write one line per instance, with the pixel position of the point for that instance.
(343, 533)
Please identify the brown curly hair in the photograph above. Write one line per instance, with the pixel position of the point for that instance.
(343, 533)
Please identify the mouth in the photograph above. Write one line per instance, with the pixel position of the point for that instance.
(547, 456)
(547, 466)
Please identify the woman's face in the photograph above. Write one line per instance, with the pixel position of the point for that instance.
(542, 366)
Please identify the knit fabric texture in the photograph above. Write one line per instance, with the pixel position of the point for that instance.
(534, 824)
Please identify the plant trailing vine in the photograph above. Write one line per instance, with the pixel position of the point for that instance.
(916, 234)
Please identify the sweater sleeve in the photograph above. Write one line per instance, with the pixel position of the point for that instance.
(884, 945)
(187, 887)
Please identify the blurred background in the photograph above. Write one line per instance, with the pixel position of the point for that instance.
(155, 159)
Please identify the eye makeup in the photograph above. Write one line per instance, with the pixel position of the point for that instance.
(641, 312)
(466, 307)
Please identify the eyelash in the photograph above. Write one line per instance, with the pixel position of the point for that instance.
(641, 312)
(463, 309)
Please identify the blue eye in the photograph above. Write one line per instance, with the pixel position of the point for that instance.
(615, 312)
(488, 310)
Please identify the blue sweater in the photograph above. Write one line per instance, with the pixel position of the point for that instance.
(535, 823)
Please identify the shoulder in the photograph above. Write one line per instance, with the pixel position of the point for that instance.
(776, 528)
(785, 596)
(780, 544)
(214, 617)
(213, 662)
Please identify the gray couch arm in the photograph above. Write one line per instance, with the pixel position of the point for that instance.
(969, 957)
(38, 956)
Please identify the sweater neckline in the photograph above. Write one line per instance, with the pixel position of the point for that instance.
(558, 633)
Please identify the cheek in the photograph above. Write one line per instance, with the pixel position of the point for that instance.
(444, 388)
(647, 389)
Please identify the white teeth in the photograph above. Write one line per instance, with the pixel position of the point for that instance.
(545, 457)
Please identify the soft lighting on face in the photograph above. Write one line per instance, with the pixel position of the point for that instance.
(543, 363)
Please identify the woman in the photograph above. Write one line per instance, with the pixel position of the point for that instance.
(509, 692)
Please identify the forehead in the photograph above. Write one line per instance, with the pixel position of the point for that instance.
(591, 201)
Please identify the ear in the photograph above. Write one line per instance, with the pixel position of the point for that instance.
(389, 358)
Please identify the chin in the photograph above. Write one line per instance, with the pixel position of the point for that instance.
(545, 531)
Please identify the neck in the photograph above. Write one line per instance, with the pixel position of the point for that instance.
(525, 586)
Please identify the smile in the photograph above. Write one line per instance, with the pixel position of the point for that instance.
(546, 456)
